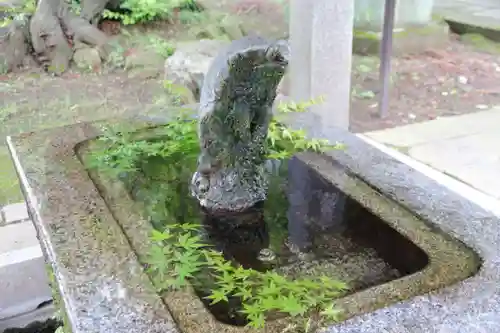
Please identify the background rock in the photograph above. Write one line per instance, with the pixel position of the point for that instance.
(190, 62)
(143, 59)
(87, 58)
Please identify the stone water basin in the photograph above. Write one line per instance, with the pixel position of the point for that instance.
(349, 231)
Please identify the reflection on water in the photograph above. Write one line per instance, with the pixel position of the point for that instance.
(306, 227)
(241, 237)
(311, 203)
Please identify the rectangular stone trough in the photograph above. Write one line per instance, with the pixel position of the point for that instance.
(435, 253)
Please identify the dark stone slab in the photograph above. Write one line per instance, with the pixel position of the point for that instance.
(462, 28)
(471, 16)
(102, 283)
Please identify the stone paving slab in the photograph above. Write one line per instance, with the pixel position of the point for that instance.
(475, 159)
(465, 147)
(41, 314)
(24, 286)
(23, 277)
(439, 129)
(14, 213)
(17, 236)
(479, 198)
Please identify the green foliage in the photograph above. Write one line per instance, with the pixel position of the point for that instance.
(150, 10)
(123, 153)
(179, 257)
(3, 70)
(284, 142)
(17, 12)
(172, 262)
(116, 57)
(161, 46)
(60, 314)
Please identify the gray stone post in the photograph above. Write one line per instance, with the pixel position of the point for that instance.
(331, 55)
(321, 45)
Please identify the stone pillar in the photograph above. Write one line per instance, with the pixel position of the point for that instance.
(321, 44)
(331, 60)
(300, 44)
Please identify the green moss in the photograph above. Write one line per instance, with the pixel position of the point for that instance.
(401, 149)
(412, 38)
(481, 43)
(367, 34)
(60, 313)
(438, 19)
(488, 30)
(419, 30)
(9, 186)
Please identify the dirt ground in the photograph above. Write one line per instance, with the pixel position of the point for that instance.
(455, 79)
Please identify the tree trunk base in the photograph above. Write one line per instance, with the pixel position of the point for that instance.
(51, 33)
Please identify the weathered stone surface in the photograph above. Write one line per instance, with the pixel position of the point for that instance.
(41, 315)
(87, 58)
(474, 159)
(120, 298)
(440, 129)
(464, 146)
(190, 62)
(235, 110)
(408, 40)
(105, 289)
(14, 213)
(23, 277)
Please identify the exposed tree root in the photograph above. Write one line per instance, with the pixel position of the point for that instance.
(52, 32)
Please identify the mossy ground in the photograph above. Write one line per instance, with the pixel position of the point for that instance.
(481, 43)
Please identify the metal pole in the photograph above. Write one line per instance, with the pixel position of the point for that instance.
(385, 56)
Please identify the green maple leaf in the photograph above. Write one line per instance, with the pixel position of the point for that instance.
(189, 226)
(269, 290)
(187, 258)
(160, 236)
(187, 240)
(330, 312)
(292, 306)
(309, 284)
(269, 303)
(244, 293)
(334, 284)
(218, 296)
(157, 259)
(257, 321)
(226, 267)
